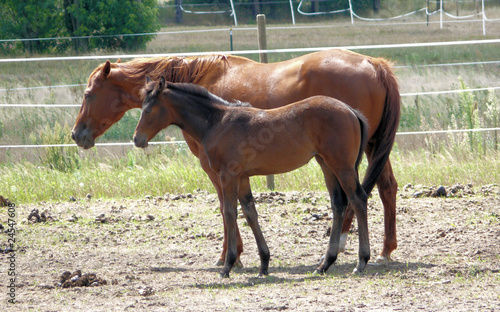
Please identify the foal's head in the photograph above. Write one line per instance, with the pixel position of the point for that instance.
(154, 115)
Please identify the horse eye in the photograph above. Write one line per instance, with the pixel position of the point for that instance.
(88, 96)
(148, 110)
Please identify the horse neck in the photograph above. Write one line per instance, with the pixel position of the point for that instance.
(194, 117)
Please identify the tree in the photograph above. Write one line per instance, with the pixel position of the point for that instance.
(28, 19)
(97, 21)
(106, 18)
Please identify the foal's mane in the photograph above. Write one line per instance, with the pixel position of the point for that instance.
(201, 95)
(173, 68)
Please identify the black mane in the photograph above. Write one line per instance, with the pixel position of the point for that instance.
(201, 94)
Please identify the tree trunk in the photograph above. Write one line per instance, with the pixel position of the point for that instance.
(256, 7)
(376, 5)
(178, 12)
(72, 25)
(315, 5)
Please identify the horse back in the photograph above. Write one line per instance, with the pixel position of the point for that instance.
(347, 76)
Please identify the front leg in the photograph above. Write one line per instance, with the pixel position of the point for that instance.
(230, 198)
(198, 151)
(250, 213)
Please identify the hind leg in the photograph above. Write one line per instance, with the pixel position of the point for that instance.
(338, 204)
(250, 213)
(387, 188)
(344, 187)
(358, 199)
(346, 226)
(348, 216)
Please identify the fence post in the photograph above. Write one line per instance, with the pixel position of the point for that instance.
(441, 14)
(293, 14)
(261, 28)
(351, 12)
(484, 19)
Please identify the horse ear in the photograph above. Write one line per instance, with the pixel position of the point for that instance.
(119, 60)
(106, 69)
(148, 79)
(162, 84)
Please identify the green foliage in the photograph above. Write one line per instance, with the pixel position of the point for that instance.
(410, 119)
(59, 18)
(58, 157)
(124, 129)
(108, 18)
(161, 170)
(465, 115)
(492, 115)
(30, 19)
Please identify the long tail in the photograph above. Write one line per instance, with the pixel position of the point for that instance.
(363, 124)
(380, 145)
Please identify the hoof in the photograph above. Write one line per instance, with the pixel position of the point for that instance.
(356, 271)
(359, 269)
(224, 275)
(263, 273)
(319, 272)
(238, 264)
(383, 259)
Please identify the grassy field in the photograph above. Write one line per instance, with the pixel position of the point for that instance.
(30, 175)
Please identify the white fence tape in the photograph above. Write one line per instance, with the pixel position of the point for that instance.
(97, 144)
(449, 91)
(183, 142)
(246, 52)
(397, 66)
(41, 105)
(402, 94)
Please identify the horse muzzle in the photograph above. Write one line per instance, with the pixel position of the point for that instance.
(83, 138)
(140, 140)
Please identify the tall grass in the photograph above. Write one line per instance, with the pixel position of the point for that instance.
(175, 170)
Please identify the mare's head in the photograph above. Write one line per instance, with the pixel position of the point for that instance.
(154, 116)
(105, 102)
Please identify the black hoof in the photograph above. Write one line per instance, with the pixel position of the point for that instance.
(319, 272)
(224, 275)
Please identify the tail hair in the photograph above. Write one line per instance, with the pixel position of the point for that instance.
(380, 145)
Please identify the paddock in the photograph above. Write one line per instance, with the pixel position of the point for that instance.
(157, 254)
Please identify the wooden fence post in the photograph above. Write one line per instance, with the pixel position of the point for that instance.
(261, 27)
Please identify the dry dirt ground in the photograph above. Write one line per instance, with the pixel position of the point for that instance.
(158, 254)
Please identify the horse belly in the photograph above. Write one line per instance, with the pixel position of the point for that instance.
(280, 157)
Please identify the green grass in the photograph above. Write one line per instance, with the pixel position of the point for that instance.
(156, 173)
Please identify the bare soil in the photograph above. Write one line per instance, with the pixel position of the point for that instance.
(158, 254)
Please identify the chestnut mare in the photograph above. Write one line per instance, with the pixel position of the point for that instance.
(319, 126)
(364, 83)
